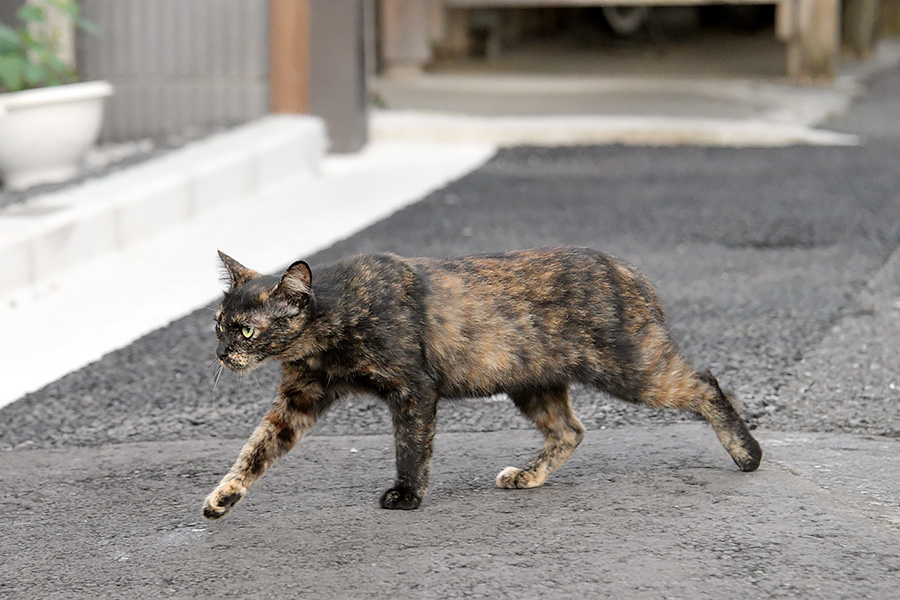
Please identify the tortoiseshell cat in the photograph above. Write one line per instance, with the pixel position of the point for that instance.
(411, 331)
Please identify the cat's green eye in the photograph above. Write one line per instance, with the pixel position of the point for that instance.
(247, 332)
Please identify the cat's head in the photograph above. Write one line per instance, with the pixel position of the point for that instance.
(261, 316)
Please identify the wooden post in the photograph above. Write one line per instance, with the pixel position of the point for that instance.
(860, 27)
(890, 15)
(405, 34)
(289, 60)
(454, 39)
(812, 31)
(338, 87)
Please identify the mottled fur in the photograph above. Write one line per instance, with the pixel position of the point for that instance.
(527, 324)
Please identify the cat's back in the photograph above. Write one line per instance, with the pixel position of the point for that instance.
(525, 316)
(539, 274)
(540, 278)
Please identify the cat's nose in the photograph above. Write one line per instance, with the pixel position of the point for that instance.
(222, 351)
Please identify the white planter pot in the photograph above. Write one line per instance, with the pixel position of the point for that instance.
(45, 132)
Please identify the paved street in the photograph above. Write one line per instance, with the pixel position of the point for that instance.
(779, 271)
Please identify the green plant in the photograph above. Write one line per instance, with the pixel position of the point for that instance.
(30, 56)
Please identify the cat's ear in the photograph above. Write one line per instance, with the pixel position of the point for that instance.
(235, 273)
(296, 283)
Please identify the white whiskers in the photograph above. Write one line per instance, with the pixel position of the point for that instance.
(212, 396)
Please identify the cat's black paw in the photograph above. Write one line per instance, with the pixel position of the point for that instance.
(400, 498)
(750, 456)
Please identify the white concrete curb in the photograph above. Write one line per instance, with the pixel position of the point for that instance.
(50, 233)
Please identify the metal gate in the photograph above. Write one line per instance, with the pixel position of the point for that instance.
(177, 65)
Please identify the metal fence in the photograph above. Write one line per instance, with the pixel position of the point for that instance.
(177, 65)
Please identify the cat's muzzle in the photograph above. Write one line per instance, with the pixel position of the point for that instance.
(238, 364)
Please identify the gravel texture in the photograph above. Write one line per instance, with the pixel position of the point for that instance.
(757, 254)
(772, 264)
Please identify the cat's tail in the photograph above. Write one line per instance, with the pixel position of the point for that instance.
(718, 408)
(673, 383)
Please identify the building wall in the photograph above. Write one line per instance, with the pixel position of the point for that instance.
(178, 66)
(8, 10)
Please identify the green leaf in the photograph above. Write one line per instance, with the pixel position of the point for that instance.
(33, 60)
(29, 42)
(54, 62)
(10, 41)
(34, 74)
(11, 73)
(72, 9)
(29, 13)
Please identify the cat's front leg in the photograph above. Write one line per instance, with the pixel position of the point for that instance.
(414, 419)
(272, 438)
(293, 413)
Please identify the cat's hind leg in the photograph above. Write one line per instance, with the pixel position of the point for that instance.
(552, 412)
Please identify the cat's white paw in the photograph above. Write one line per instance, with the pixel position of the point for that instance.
(512, 478)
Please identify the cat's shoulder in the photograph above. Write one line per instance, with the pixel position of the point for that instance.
(377, 262)
(384, 270)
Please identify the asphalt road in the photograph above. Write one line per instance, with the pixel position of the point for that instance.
(756, 253)
(778, 269)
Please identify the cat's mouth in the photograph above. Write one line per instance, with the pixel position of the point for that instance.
(239, 364)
